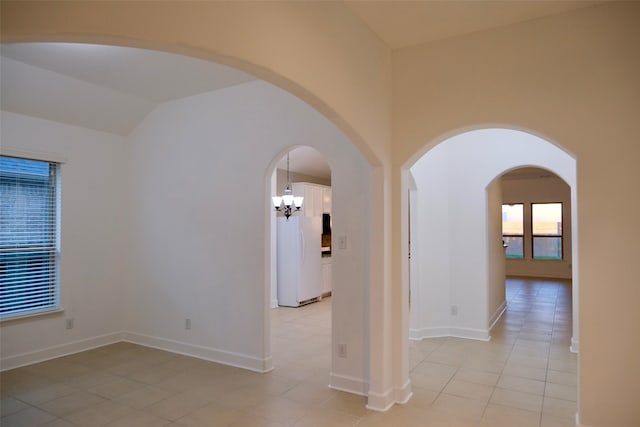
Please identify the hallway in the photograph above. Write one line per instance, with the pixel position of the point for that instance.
(525, 375)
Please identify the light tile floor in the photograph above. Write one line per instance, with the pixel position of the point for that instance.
(525, 376)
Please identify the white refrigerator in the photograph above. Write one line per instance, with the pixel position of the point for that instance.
(299, 260)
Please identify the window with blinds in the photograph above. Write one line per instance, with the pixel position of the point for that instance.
(28, 236)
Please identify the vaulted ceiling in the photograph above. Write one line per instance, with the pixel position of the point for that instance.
(107, 88)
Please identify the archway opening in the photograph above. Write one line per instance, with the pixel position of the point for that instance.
(188, 191)
(301, 278)
(458, 274)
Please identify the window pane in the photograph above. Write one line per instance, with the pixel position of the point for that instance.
(546, 219)
(547, 248)
(515, 250)
(28, 230)
(513, 219)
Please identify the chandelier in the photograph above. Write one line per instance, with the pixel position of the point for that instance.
(287, 201)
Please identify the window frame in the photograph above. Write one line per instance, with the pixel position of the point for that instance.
(515, 235)
(544, 236)
(50, 249)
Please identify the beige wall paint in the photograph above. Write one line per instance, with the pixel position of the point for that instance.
(573, 79)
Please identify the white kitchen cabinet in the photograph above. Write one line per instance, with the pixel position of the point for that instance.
(326, 276)
(317, 198)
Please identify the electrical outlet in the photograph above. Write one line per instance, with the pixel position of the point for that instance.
(68, 323)
(342, 350)
(187, 324)
(454, 310)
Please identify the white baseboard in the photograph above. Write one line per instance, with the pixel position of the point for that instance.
(578, 424)
(439, 332)
(404, 393)
(575, 345)
(497, 315)
(348, 384)
(382, 402)
(60, 350)
(201, 352)
(274, 303)
(422, 333)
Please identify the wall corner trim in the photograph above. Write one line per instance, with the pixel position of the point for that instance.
(575, 345)
(578, 421)
(382, 402)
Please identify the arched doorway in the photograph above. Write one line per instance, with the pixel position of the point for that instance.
(453, 214)
(210, 204)
(454, 278)
(301, 267)
(343, 193)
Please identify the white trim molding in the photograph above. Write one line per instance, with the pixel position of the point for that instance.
(575, 345)
(56, 351)
(348, 384)
(382, 402)
(404, 393)
(497, 315)
(439, 332)
(201, 352)
(578, 421)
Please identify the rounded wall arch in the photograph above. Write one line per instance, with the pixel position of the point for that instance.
(454, 181)
(350, 200)
(241, 36)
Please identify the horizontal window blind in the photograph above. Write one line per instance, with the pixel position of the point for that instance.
(28, 236)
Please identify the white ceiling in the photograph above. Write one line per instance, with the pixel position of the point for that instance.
(112, 89)
(107, 88)
(308, 161)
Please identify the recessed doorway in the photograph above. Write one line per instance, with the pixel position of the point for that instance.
(301, 272)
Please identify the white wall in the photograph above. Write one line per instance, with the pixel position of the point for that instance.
(495, 252)
(199, 170)
(169, 224)
(93, 180)
(430, 278)
(452, 226)
(550, 189)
